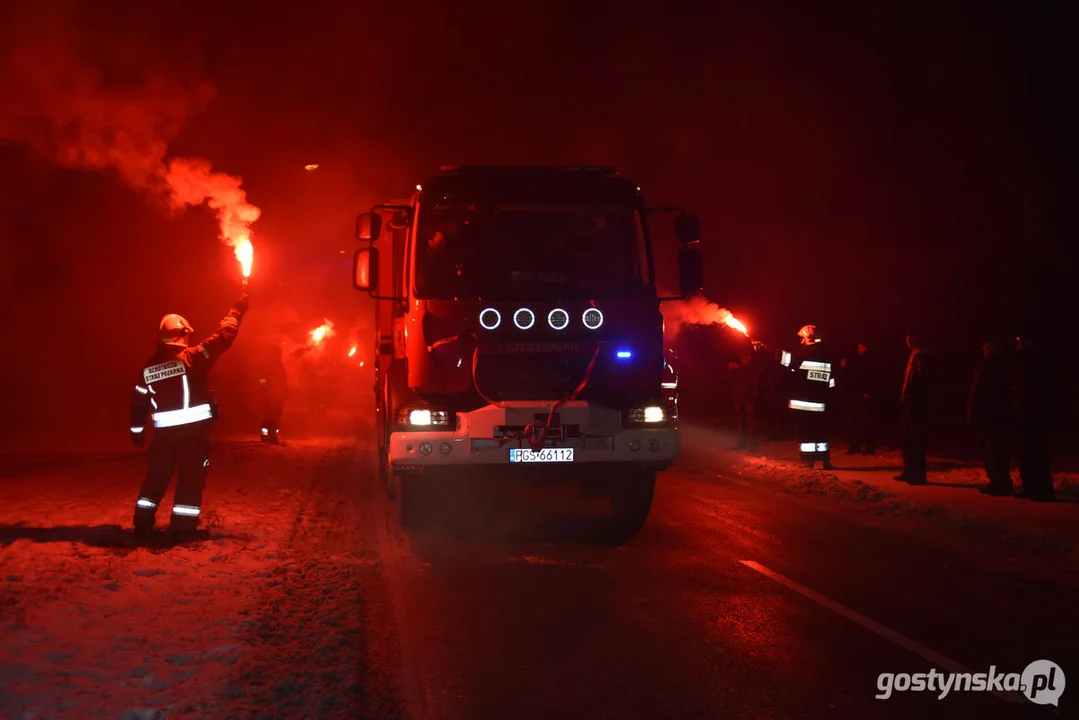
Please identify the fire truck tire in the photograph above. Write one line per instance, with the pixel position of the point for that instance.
(409, 500)
(386, 476)
(631, 501)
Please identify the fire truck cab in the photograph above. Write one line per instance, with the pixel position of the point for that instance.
(518, 330)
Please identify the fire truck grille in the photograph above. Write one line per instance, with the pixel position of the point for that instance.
(530, 376)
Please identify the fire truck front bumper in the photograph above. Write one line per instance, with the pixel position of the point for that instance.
(491, 436)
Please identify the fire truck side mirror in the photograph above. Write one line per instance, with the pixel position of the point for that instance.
(687, 228)
(365, 270)
(690, 270)
(368, 226)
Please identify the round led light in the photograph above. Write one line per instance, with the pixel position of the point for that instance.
(524, 319)
(592, 318)
(558, 319)
(490, 318)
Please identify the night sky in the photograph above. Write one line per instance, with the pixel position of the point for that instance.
(861, 169)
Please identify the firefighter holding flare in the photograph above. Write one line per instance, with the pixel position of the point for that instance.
(173, 391)
(811, 396)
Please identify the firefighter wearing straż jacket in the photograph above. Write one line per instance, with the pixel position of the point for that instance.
(811, 397)
(173, 391)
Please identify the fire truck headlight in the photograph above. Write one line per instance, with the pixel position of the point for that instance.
(490, 318)
(423, 418)
(648, 415)
(524, 319)
(592, 318)
(558, 319)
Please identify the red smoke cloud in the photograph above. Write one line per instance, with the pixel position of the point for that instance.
(696, 311)
(88, 100)
(192, 182)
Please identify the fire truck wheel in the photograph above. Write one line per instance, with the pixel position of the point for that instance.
(631, 501)
(386, 476)
(409, 500)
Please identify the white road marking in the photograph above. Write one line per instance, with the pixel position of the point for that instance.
(869, 624)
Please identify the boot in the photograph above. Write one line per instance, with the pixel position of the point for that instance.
(144, 520)
(183, 529)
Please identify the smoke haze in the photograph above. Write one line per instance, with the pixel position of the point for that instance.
(696, 310)
(838, 180)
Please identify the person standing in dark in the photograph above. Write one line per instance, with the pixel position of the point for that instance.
(1032, 391)
(858, 388)
(988, 413)
(744, 389)
(915, 400)
(273, 380)
(772, 398)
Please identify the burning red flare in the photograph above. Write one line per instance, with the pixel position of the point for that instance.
(732, 322)
(245, 253)
(193, 181)
(698, 311)
(61, 102)
(322, 332)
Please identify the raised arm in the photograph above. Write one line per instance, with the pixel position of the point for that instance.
(213, 347)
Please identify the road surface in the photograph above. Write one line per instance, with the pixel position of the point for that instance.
(734, 602)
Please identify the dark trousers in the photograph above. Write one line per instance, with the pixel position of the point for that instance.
(1035, 468)
(813, 436)
(862, 432)
(998, 461)
(747, 424)
(184, 451)
(915, 431)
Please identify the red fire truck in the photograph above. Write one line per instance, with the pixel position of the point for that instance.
(518, 330)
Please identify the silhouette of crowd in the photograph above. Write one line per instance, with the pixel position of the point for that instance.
(1009, 410)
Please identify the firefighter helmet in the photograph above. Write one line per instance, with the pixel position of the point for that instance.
(174, 326)
(808, 333)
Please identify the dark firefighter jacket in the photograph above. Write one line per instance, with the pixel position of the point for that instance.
(173, 387)
(813, 378)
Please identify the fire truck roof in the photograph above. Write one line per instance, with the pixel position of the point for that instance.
(508, 184)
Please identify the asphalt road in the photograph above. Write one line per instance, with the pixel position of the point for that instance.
(733, 602)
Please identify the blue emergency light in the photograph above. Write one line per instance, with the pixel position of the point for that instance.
(623, 354)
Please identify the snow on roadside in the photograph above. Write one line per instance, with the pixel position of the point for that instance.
(950, 501)
(94, 626)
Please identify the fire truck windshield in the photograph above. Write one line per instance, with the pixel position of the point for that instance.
(529, 252)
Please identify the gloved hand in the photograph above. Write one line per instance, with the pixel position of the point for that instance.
(242, 304)
(138, 439)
